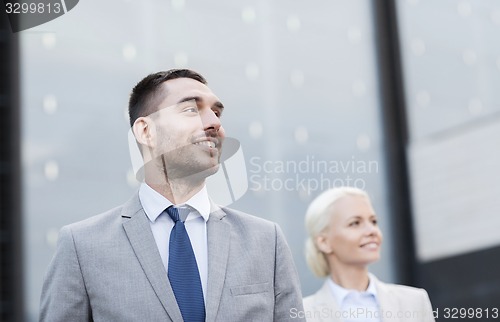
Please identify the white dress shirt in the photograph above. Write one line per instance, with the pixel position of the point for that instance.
(356, 305)
(196, 225)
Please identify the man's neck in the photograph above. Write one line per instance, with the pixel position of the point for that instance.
(178, 191)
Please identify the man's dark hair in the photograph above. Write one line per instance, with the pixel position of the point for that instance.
(145, 95)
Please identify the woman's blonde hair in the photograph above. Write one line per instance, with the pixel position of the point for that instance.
(317, 219)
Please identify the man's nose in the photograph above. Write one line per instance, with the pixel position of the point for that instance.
(210, 120)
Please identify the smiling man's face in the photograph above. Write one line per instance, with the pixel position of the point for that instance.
(188, 130)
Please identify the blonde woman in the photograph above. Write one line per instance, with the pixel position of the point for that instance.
(344, 238)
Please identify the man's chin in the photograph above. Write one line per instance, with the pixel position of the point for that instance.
(211, 170)
(173, 169)
(201, 173)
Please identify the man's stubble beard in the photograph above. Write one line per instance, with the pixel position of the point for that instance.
(186, 163)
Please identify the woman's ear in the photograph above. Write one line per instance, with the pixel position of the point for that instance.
(144, 131)
(323, 244)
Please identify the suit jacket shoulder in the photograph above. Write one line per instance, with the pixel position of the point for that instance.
(406, 302)
(236, 216)
(110, 217)
(401, 290)
(253, 233)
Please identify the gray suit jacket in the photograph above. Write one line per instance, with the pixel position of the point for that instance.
(397, 303)
(108, 268)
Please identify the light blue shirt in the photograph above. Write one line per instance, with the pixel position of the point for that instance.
(356, 305)
(198, 209)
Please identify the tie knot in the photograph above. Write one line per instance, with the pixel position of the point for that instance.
(173, 213)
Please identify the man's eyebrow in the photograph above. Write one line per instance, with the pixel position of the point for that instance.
(217, 104)
(189, 98)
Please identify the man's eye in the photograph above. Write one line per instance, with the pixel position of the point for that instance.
(354, 223)
(191, 109)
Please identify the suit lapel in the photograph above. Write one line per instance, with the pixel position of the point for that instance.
(138, 230)
(218, 235)
(325, 302)
(387, 301)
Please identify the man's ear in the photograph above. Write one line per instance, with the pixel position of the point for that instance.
(323, 244)
(144, 131)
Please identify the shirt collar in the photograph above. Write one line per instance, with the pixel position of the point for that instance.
(154, 203)
(371, 286)
(340, 293)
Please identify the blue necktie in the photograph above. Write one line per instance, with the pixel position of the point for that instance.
(183, 272)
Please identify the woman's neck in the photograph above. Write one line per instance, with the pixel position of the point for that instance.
(350, 277)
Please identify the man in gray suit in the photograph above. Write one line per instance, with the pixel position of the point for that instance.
(126, 264)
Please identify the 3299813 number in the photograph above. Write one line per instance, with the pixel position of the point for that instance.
(33, 7)
(470, 313)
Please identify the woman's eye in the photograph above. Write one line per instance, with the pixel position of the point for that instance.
(354, 223)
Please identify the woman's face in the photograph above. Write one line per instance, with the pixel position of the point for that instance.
(353, 236)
